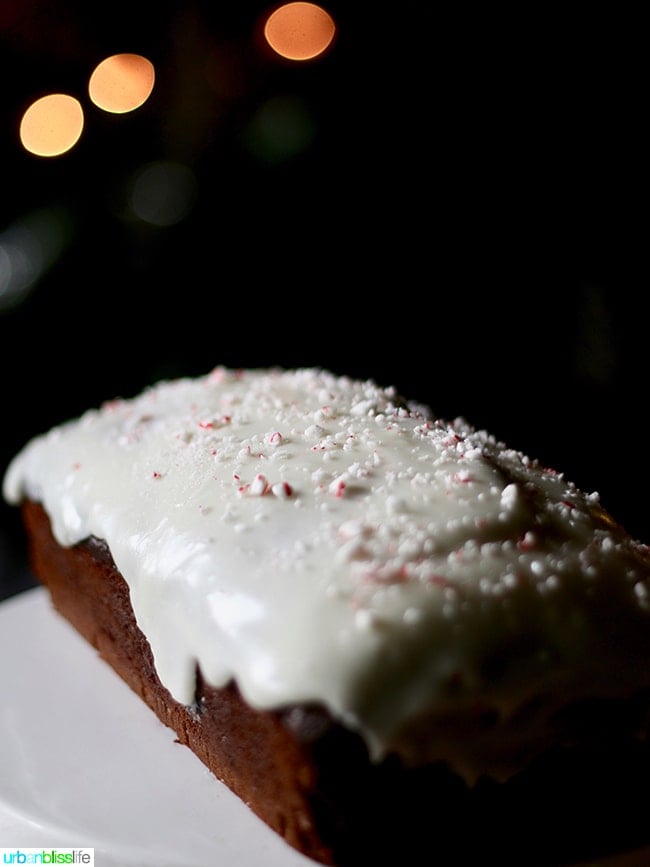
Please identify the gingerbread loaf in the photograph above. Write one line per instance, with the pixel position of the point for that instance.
(378, 628)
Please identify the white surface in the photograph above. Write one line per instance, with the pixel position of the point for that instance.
(83, 762)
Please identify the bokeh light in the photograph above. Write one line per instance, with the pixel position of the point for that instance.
(299, 31)
(52, 125)
(280, 129)
(121, 83)
(28, 248)
(163, 193)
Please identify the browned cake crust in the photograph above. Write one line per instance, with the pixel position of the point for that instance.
(311, 780)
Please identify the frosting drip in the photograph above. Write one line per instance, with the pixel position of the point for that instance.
(318, 540)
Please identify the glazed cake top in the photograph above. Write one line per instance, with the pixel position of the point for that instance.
(318, 540)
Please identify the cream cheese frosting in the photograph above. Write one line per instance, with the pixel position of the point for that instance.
(316, 539)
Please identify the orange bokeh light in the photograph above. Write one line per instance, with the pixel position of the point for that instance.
(52, 125)
(121, 83)
(299, 31)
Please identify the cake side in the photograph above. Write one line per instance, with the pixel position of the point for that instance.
(301, 772)
(249, 750)
(313, 781)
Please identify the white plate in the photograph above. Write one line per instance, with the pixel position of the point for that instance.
(85, 763)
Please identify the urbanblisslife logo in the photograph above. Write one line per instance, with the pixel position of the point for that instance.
(47, 856)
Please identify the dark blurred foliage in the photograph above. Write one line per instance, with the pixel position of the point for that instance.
(464, 219)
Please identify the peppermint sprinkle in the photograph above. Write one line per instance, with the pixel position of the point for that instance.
(259, 486)
(282, 490)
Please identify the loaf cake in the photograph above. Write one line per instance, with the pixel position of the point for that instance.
(382, 630)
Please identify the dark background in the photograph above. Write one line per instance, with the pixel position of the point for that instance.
(452, 201)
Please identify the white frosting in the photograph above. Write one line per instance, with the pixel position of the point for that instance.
(314, 539)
